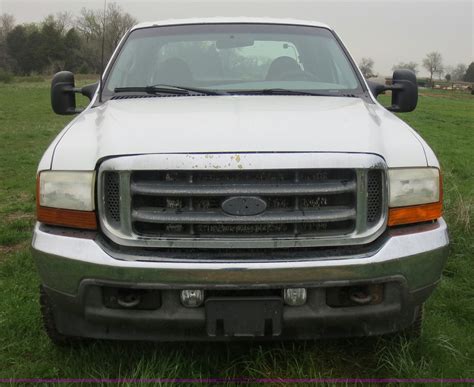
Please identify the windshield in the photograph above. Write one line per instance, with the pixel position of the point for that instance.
(233, 58)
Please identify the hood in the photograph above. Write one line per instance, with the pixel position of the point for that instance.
(236, 124)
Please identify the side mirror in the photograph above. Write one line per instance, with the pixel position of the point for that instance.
(404, 91)
(63, 93)
(63, 98)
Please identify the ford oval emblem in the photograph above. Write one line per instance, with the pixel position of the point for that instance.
(244, 206)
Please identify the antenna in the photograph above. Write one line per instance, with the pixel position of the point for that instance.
(102, 65)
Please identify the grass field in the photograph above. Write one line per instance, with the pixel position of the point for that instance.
(446, 349)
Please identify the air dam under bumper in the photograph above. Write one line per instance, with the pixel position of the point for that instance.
(73, 269)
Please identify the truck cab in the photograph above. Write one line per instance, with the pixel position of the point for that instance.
(236, 178)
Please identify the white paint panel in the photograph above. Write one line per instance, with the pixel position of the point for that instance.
(237, 124)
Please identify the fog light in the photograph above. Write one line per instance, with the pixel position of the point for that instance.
(294, 297)
(192, 298)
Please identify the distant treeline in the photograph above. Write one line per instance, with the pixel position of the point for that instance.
(61, 42)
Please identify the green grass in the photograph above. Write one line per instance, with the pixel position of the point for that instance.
(446, 350)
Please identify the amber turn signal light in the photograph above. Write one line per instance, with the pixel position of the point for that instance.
(415, 214)
(67, 218)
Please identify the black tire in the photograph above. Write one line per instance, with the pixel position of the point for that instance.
(49, 324)
(415, 330)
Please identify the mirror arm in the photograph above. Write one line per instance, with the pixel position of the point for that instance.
(378, 89)
(87, 91)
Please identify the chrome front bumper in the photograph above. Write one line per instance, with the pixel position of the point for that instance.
(415, 255)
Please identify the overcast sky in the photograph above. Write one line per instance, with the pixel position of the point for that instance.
(387, 31)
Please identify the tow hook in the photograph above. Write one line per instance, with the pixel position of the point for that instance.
(129, 300)
(360, 296)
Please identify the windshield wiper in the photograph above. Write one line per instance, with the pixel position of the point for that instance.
(278, 91)
(167, 89)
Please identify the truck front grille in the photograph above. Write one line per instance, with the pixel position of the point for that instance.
(182, 208)
(183, 204)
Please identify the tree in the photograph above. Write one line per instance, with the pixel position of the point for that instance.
(64, 22)
(469, 76)
(18, 49)
(448, 77)
(91, 27)
(24, 44)
(7, 23)
(433, 63)
(72, 47)
(35, 60)
(413, 66)
(367, 67)
(457, 73)
(38, 47)
(60, 42)
(53, 49)
(118, 23)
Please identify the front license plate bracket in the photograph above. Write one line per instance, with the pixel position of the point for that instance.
(244, 317)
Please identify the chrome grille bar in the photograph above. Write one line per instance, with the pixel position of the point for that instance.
(149, 215)
(166, 189)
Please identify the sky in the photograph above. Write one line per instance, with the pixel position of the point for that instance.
(388, 31)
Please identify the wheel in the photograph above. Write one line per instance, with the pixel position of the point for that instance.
(49, 324)
(415, 330)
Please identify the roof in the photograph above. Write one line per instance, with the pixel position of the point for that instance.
(215, 20)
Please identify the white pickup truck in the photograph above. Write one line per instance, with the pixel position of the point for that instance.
(236, 178)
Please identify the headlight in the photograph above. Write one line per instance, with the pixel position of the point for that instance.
(68, 190)
(409, 187)
(66, 199)
(415, 195)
